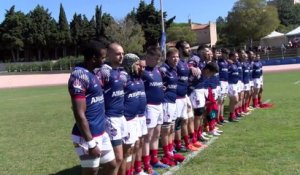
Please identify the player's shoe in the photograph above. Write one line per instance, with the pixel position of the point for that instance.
(168, 161)
(160, 165)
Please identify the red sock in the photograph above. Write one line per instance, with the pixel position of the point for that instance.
(177, 143)
(166, 151)
(146, 161)
(211, 125)
(199, 132)
(221, 118)
(240, 109)
(259, 100)
(128, 172)
(186, 140)
(138, 166)
(231, 115)
(171, 147)
(254, 101)
(193, 137)
(154, 157)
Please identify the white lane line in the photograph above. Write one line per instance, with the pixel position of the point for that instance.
(189, 157)
(297, 82)
(267, 101)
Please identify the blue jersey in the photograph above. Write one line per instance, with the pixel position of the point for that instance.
(240, 70)
(223, 69)
(251, 70)
(233, 74)
(196, 82)
(213, 82)
(246, 72)
(113, 81)
(257, 69)
(170, 79)
(142, 100)
(132, 90)
(153, 85)
(183, 73)
(84, 84)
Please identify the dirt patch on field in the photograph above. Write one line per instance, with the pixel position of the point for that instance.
(16, 81)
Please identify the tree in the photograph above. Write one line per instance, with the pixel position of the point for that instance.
(75, 31)
(64, 37)
(39, 30)
(181, 31)
(250, 20)
(12, 32)
(289, 13)
(129, 34)
(221, 30)
(150, 20)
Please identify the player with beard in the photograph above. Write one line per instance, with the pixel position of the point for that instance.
(185, 120)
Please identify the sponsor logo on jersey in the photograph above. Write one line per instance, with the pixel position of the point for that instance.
(118, 93)
(172, 86)
(156, 84)
(97, 99)
(183, 78)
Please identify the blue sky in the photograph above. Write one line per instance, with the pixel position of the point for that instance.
(200, 11)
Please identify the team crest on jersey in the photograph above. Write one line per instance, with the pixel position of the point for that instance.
(148, 121)
(113, 132)
(78, 85)
(126, 138)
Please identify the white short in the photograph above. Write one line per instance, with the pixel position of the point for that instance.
(169, 112)
(104, 144)
(143, 126)
(240, 86)
(251, 83)
(262, 80)
(257, 83)
(247, 87)
(134, 131)
(224, 87)
(181, 106)
(190, 113)
(217, 92)
(117, 129)
(154, 115)
(233, 89)
(198, 97)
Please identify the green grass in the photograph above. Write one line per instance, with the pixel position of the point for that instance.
(36, 123)
(267, 142)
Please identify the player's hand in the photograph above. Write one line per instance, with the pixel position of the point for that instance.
(196, 72)
(95, 152)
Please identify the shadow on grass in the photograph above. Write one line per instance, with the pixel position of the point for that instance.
(70, 171)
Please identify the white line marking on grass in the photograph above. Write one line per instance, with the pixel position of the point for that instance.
(189, 157)
(267, 101)
(297, 82)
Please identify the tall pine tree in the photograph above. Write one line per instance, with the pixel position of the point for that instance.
(64, 38)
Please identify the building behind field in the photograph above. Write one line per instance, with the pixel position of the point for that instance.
(206, 33)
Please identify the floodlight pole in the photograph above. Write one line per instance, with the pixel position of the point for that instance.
(163, 28)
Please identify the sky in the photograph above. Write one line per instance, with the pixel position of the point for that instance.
(199, 11)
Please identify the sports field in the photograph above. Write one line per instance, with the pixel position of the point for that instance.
(35, 125)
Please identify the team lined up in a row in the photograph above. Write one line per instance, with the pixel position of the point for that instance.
(124, 105)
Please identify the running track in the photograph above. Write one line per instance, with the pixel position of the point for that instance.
(16, 81)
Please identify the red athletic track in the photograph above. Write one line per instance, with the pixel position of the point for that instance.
(16, 81)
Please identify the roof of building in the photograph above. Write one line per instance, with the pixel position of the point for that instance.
(195, 26)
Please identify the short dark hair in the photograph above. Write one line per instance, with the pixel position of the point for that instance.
(172, 51)
(212, 67)
(181, 44)
(153, 51)
(225, 51)
(202, 47)
(92, 49)
(232, 53)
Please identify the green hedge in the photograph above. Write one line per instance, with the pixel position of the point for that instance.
(62, 64)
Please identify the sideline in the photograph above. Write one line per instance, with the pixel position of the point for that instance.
(189, 157)
(297, 82)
